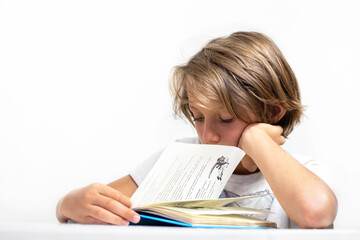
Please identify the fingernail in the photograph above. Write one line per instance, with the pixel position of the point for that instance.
(126, 222)
(136, 218)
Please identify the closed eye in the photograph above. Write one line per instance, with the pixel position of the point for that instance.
(229, 120)
(198, 119)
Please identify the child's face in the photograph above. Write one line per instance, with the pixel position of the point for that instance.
(216, 126)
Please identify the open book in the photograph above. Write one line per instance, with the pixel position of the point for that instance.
(184, 185)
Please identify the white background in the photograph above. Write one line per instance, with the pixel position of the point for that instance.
(84, 88)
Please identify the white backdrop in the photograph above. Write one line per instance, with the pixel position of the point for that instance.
(84, 88)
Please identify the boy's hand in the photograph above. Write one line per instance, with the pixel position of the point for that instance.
(98, 204)
(274, 132)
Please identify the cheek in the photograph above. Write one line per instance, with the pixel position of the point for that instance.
(198, 129)
(231, 134)
(242, 127)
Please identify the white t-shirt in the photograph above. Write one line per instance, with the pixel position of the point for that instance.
(245, 185)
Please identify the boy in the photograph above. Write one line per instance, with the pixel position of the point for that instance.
(239, 91)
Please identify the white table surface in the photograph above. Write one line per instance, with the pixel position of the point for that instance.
(27, 230)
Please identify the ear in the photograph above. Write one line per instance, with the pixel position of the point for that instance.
(277, 113)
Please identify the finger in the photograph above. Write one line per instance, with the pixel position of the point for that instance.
(114, 194)
(282, 140)
(117, 208)
(102, 215)
(279, 130)
(91, 220)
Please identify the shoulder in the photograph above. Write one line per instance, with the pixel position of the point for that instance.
(318, 167)
(309, 161)
(304, 159)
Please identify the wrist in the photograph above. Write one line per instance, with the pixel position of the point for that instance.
(251, 140)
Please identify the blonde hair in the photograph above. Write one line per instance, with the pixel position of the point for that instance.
(246, 72)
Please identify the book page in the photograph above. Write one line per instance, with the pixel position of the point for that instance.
(204, 203)
(219, 211)
(188, 171)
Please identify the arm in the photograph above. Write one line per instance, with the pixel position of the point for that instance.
(307, 200)
(99, 203)
(126, 185)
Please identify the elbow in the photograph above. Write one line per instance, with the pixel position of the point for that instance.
(320, 212)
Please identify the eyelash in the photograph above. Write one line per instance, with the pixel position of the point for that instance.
(227, 120)
(197, 119)
(222, 120)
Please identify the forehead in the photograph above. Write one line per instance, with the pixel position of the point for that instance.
(201, 91)
(202, 97)
(210, 105)
(217, 107)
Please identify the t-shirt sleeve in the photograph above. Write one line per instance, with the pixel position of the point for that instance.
(139, 173)
(317, 167)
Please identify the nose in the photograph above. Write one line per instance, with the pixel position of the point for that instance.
(210, 135)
